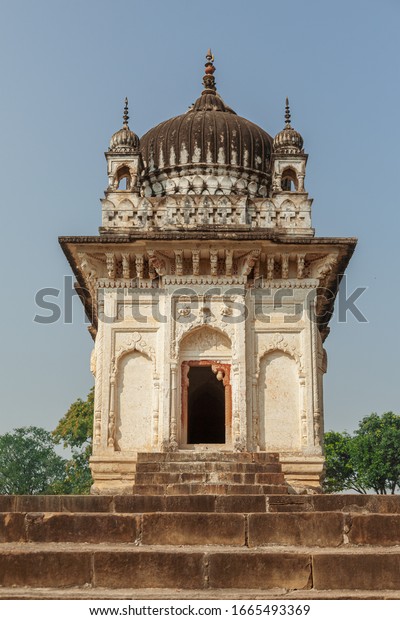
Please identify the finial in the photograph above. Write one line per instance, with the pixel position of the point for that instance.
(287, 114)
(208, 79)
(126, 113)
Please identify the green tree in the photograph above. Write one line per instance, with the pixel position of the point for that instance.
(75, 431)
(368, 460)
(29, 464)
(376, 452)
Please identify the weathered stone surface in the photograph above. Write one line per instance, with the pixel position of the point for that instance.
(313, 529)
(45, 569)
(358, 503)
(193, 529)
(260, 570)
(376, 529)
(86, 503)
(289, 503)
(139, 503)
(12, 527)
(81, 528)
(240, 503)
(361, 571)
(190, 503)
(7, 503)
(149, 569)
(38, 503)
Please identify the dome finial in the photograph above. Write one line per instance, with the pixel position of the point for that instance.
(209, 79)
(126, 113)
(287, 114)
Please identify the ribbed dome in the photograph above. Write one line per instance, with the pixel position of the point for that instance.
(124, 140)
(288, 141)
(207, 144)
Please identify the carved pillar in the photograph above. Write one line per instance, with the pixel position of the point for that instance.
(156, 409)
(111, 416)
(173, 442)
(314, 358)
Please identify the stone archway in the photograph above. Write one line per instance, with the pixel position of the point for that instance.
(205, 394)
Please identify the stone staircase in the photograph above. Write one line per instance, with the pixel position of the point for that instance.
(207, 473)
(204, 546)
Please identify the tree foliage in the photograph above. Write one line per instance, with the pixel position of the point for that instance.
(368, 460)
(75, 431)
(29, 464)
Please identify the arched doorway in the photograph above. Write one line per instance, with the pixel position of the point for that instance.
(206, 402)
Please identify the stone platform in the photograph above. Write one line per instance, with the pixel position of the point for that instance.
(200, 546)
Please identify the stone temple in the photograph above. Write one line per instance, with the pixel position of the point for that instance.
(209, 297)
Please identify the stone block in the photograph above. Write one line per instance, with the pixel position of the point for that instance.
(45, 569)
(240, 503)
(38, 503)
(149, 569)
(377, 529)
(193, 529)
(312, 528)
(289, 503)
(7, 503)
(12, 527)
(86, 503)
(139, 503)
(189, 503)
(89, 528)
(259, 570)
(270, 478)
(356, 571)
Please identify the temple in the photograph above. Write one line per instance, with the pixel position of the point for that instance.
(209, 297)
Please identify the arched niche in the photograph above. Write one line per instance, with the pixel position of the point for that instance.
(279, 402)
(134, 402)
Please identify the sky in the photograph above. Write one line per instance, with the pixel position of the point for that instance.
(66, 68)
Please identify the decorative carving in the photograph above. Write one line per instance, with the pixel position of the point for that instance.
(214, 262)
(157, 262)
(110, 264)
(139, 265)
(285, 266)
(279, 343)
(249, 261)
(206, 339)
(126, 272)
(134, 341)
(179, 262)
(300, 265)
(228, 262)
(270, 267)
(196, 262)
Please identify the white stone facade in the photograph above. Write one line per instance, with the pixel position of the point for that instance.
(201, 290)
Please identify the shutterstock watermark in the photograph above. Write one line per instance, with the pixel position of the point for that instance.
(233, 304)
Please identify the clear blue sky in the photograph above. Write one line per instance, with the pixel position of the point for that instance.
(66, 68)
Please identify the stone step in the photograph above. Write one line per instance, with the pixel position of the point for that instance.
(213, 477)
(253, 530)
(197, 568)
(199, 467)
(198, 456)
(228, 594)
(199, 488)
(207, 502)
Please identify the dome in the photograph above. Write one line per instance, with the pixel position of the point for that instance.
(207, 150)
(288, 141)
(124, 140)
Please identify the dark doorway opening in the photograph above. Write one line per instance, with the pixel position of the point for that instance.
(206, 406)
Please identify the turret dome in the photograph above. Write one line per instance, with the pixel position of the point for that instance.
(124, 140)
(288, 141)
